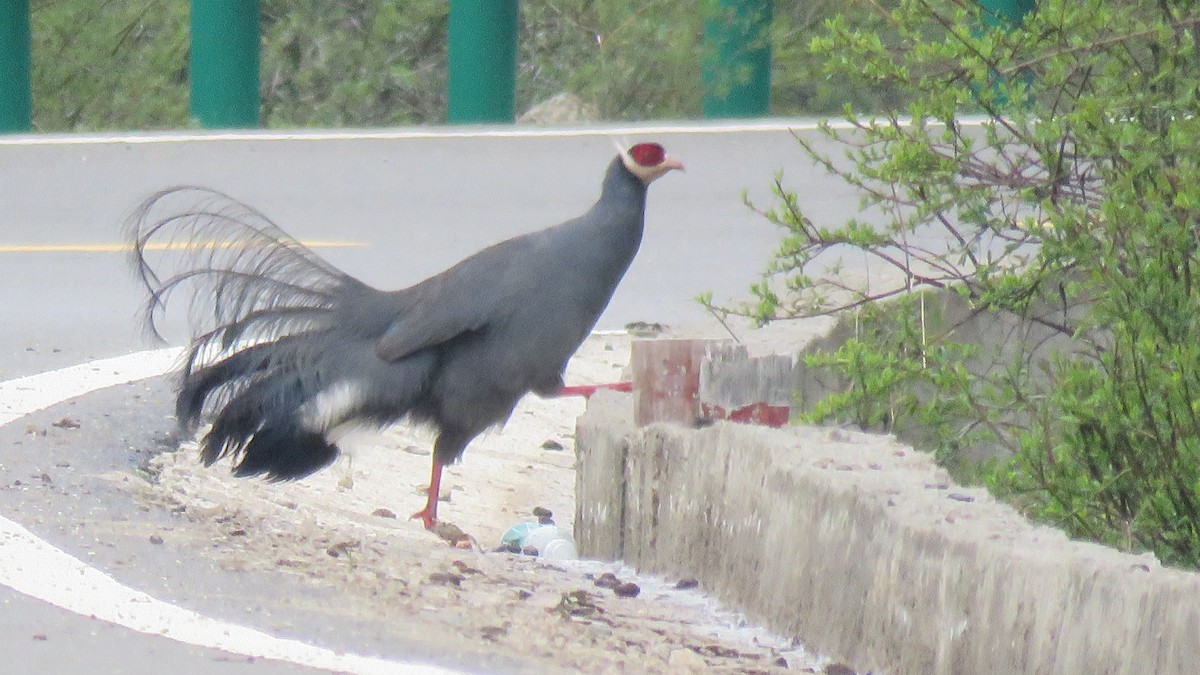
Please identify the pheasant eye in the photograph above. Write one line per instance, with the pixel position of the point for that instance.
(647, 154)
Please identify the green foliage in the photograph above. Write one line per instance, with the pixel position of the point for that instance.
(114, 65)
(800, 81)
(1072, 207)
(100, 65)
(353, 62)
(629, 60)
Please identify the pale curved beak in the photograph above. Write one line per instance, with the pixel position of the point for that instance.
(670, 162)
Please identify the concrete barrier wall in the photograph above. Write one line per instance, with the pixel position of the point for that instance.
(864, 549)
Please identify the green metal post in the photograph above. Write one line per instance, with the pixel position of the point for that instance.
(1005, 12)
(483, 60)
(736, 70)
(16, 98)
(224, 63)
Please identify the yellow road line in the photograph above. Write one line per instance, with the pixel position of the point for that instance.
(167, 246)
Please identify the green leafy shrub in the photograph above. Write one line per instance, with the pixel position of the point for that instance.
(1068, 209)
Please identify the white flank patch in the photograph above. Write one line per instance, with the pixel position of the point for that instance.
(33, 567)
(328, 409)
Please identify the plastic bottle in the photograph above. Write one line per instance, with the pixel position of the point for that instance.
(549, 541)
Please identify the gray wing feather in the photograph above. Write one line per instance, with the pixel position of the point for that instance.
(463, 299)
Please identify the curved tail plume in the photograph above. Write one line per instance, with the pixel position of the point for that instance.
(253, 293)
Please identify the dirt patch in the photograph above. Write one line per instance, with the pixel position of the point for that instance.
(346, 529)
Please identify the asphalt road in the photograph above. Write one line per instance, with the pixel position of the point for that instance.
(417, 204)
(414, 202)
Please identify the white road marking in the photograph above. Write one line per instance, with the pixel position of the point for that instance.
(654, 128)
(29, 394)
(33, 567)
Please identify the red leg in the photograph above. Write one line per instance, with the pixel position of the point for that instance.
(586, 390)
(428, 515)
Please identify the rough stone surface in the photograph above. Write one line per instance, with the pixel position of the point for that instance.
(855, 542)
(731, 378)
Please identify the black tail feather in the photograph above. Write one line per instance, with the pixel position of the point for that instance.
(254, 292)
(285, 454)
(260, 429)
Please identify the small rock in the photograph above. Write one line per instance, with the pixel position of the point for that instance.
(552, 444)
(155, 539)
(959, 497)
(416, 450)
(644, 329)
(544, 515)
(450, 532)
(447, 578)
(238, 533)
(685, 584)
(346, 482)
(576, 603)
(839, 669)
(493, 633)
(780, 662)
(384, 513)
(686, 660)
(562, 108)
(342, 548)
(627, 589)
(465, 568)
(40, 637)
(607, 580)
(530, 551)
(66, 423)
(721, 651)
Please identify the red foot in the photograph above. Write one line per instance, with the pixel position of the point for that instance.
(428, 518)
(586, 390)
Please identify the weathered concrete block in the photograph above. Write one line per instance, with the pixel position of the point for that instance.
(737, 387)
(600, 474)
(666, 379)
(690, 382)
(864, 549)
(731, 378)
